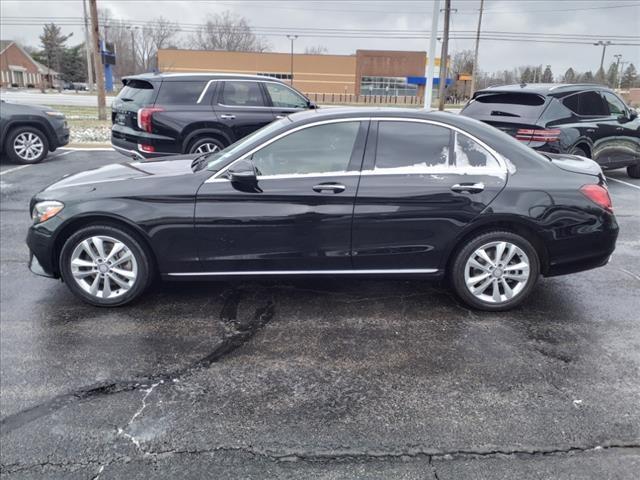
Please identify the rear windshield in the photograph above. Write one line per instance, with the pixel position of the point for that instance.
(137, 92)
(506, 106)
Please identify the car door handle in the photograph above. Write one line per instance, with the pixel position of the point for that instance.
(619, 129)
(329, 187)
(591, 130)
(468, 187)
(280, 116)
(226, 116)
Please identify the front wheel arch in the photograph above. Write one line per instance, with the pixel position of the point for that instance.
(76, 224)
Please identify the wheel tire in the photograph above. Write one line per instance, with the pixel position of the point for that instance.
(634, 170)
(579, 151)
(206, 145)
(457, 274)
(141, 266)
(26, 134)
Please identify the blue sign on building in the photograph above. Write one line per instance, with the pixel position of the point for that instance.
(423, 81)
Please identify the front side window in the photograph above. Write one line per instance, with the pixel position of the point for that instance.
(318, 149)
(411, 145)
(616, 107)
(242, 94)
(282, 96)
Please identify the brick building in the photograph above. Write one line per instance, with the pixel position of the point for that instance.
(19, 69)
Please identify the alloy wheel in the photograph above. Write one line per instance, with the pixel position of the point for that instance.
(207, 148)
(497, 272)
(104, 267)
(28, 146)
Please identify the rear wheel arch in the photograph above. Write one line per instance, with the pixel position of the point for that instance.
(103, 220)
(509, 225)
(213, 132)
(584, 146)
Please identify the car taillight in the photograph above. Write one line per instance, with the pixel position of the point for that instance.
(599, 195)
(538, 135)
(143, 147)
(144, 117)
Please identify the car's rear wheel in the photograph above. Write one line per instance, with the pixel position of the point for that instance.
(27, 145)
(206, 145)
(579, 151)
(495, 271)
(634, 170)
(105, 266)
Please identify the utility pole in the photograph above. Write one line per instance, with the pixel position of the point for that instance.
(431, 59)
(622, 64)
(604, 49)
(444, 55)
(292, 38)
(97, 60)
(87, 48)
(618, 57)
(133, 48)
(474, 74)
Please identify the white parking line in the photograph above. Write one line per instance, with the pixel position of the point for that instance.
(14, 169)
(88, 149)
(624, 183)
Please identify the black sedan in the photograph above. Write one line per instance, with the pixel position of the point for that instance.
(339, 192)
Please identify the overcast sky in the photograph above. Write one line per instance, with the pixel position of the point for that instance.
(619, 17)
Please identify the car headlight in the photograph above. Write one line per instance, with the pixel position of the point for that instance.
(53, 113)
(45, 210)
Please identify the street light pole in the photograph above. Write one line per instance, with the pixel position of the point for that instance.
(88, 49)
(618, 57)
(474, 73)
(444, 55)
(604, 49)
(292, 38)
(133, 47)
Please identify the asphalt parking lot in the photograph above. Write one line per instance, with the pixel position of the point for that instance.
(338, 378)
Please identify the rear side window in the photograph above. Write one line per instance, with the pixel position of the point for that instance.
(506, 106)
(588, 104)
(411, 145)
(242, 94)
(137, 92)
(180, 93)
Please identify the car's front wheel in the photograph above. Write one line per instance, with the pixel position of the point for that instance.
(27, 145)
(495, 271)
(105, 266)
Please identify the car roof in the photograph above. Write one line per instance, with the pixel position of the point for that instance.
(194, 77)
(551, 89)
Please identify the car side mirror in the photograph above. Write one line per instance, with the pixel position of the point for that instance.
(633, 114)
(243, 176)
(312, 105)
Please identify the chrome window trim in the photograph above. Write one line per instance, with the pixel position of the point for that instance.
(304, 272)
(499, 158)
(258, 79)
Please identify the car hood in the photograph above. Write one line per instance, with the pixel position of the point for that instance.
(575, 163)
(167, 167)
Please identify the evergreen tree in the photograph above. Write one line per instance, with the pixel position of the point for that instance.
(600, 76)
(612, 75)
(587, 77)
(526, 76)
(547, 76)
(53, 45)
(569, 76)
(73, 67)
(630, 77)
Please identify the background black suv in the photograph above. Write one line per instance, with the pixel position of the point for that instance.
(29, 132)
(587, 120)
(167, 114)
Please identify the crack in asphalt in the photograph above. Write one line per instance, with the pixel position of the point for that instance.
(237, 333)
(411, 453)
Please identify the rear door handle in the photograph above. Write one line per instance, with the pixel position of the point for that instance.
(619, 129)
(280, 116)
(329, 187)
(226, 116)
(591, 130)
(468, 187)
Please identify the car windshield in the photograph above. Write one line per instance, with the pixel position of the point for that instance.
(215, 161)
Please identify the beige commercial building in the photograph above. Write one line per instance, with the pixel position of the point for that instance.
(368, 72)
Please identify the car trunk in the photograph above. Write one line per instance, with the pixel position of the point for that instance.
(574, 163)
(507, 111)
(134, 95)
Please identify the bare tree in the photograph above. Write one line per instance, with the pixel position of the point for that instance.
(225, 31)
(153, 36)
(316, 50)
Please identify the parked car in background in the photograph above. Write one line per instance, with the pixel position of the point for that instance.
(29, 132)
(156, 115)
(338, 192)
(586, 120)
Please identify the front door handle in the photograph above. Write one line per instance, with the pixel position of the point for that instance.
(226, 116)
(280, 116)
(591, 130)
(329, 187)
(619, 129)
(468, 187)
